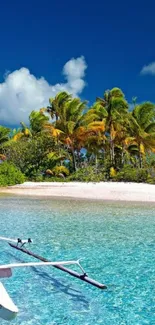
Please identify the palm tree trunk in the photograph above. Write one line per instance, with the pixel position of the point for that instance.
(74, 159)
(140, 160)
(122, 156)
(112, 152)
(59, 150)
(96, 161)
(78, 156)
(140, 157)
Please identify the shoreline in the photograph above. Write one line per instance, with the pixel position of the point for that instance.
(103, 191)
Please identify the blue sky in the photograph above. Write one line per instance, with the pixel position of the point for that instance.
(114, 39)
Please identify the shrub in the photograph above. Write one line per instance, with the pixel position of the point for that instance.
(2, 157)
(30, 156)
(37, 178)
(60, 170)
(89, 174)
(112, 172)
(150, 179)
(10, 175)
(55, 179)
(49, 172)
(130, 174)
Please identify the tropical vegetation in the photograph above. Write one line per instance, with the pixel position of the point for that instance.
(74, 141)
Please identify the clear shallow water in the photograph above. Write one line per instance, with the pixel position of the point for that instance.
(117, 244)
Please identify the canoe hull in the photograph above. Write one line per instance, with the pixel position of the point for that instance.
(7, 314)
(8, 310)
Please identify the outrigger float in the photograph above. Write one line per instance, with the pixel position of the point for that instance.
(8, 310)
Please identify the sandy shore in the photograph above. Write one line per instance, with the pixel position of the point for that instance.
(99, 191)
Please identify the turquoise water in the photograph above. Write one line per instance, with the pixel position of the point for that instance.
(116, 242)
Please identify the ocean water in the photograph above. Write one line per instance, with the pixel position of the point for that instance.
(116, 242)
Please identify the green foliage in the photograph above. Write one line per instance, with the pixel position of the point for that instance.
(55, 179)
(4, 134)
(57, 103)
(37, 121)
(10, 175)
(37, 177)
(150, 180)
(53, 158)
(89, 174)
(30, 156)
(130, 174)
(116, 92)
(57, 171)
(43, 178)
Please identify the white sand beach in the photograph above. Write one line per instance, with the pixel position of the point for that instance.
(136, 192)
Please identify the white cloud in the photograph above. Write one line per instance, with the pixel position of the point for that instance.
(149, 69)
(21, 92)
(75, 68)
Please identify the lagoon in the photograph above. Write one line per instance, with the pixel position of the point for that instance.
(116, 243)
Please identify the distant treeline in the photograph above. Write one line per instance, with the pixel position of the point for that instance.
(69, 140)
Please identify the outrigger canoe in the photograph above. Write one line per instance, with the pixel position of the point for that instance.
(8, 310)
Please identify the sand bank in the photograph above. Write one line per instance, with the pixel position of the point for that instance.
(98, 191)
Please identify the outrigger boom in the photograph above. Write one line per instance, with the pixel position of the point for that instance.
(17, 265)
(17, 240)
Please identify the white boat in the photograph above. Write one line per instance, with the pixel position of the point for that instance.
(8, 310)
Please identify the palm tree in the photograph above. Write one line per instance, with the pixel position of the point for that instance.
(4, 138)
(71, 125)
(116, 108)
(56, 104)
(4, 134)
(142, 129)
(95, 140)
(22, 132)
(38, 121)
(74, 123)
